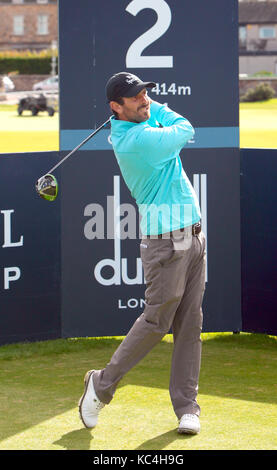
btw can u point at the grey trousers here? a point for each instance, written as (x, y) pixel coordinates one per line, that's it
(174, 270)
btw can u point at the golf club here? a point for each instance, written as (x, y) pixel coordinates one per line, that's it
(47, 185)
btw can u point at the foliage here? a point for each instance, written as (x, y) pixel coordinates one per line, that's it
(27, 54)
(26, 62)
(263, 73)
(261, 92)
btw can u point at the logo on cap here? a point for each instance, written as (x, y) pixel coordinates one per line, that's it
(131, 79)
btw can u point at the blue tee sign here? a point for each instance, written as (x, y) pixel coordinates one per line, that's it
(189, 49)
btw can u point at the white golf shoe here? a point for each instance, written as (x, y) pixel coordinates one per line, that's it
(189, 424)
(89, 403)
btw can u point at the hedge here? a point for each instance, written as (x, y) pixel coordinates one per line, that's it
(26, 66)
(26, 62)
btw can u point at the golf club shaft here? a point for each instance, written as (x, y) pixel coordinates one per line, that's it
(78, 146)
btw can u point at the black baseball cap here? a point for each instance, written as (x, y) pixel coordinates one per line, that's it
(125, 84)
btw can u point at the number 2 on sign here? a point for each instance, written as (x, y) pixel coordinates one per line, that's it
(134, 58)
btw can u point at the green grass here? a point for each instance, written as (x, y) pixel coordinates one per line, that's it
(41, 383)
(29, 141)
(27, 133)
(258, 124)
(258, 128)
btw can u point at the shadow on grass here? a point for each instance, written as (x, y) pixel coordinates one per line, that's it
(242, 367)
(79, 439)
(163, 440)
(44, 114)
(233, 366)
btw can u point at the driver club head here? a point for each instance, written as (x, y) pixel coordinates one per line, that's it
(47, 187)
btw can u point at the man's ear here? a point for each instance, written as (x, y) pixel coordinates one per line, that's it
(115, 106)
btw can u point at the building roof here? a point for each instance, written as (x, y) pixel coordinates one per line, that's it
(257, 12)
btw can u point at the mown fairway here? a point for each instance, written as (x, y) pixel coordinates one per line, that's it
(258, 124)
(27, 133)
(41, 383)
(258, 128)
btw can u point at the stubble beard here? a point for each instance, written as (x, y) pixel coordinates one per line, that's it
(145, 114)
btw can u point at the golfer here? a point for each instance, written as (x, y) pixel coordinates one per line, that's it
(147, 138)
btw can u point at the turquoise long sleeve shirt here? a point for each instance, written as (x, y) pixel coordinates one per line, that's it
(148, 157)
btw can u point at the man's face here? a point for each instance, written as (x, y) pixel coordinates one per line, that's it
(134, 109)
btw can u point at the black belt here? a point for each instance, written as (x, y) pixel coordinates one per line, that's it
(195, 230)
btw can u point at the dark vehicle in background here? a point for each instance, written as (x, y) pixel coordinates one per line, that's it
(35, 105)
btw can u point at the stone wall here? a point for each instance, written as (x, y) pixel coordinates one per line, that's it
(25, 82)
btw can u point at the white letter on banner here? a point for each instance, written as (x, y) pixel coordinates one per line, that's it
(8, 229)
(8, 277)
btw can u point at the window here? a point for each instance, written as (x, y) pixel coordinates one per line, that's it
(267, 32)
(242, 33)
(42, 1)
(18, 25)
(17, 1)
(242, 37)
(42, 24)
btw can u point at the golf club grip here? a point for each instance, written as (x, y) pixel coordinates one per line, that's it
(78, 146)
